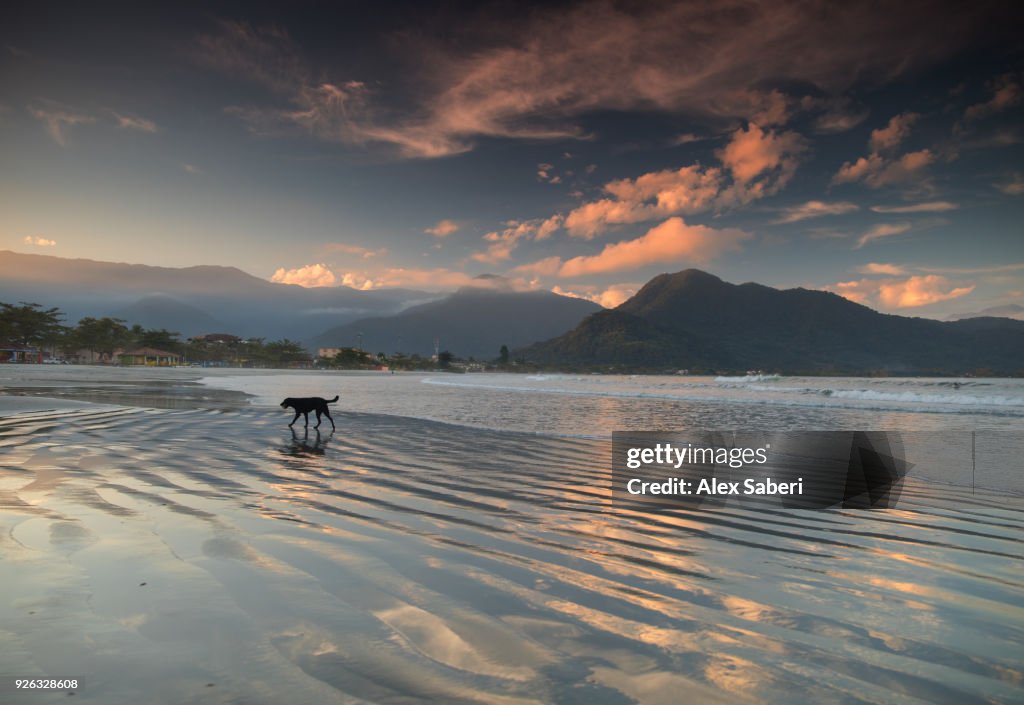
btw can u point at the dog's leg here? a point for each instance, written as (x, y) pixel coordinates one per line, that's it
(317, 419)
(295, 419)
(327, 412)
(306, 414)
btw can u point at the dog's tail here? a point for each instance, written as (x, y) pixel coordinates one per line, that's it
(331, 401)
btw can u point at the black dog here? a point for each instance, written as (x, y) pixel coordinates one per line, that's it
(304, 405)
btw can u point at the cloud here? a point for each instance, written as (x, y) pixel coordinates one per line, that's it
(919, 291)
(911, 292)
(561, 63)
(609, 297)
(356, 250)
(546, 173)
(1013, 187)
(39, 241)
(879, 168)
(815, 209)
(439, 279)
(892, 134)
(134, 122)
(57, 121)
(444, 228)
(752, 152)
(1006, 92)
(880, 231)
(760, 162)
(192, 169)
(881, 268)
(839, 114)
(929, 207)
(548, 266)
(503, 242)
(876, 170)
(309, 276)
(671, 241)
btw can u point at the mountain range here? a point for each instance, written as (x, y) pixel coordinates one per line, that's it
(191, 300)
(475, 321)
(694, 320)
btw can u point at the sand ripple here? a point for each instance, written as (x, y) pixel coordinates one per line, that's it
(200, 556)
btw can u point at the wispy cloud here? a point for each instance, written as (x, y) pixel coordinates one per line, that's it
(692, 58)
(1013, 187)
(883, 230)
(929, 207)
(1006, 93)
(192, 169)
(134, 122)
(363, 252)
(815, 209)
(444, 228)
(58, 120)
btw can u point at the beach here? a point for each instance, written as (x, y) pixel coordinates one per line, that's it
(167, 539)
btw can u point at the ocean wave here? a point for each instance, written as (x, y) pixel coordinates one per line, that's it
(725, 379)
(919, 398)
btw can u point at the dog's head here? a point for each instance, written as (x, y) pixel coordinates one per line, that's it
(286, 403)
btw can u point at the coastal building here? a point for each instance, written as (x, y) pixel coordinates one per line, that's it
(18, 353)
(151, 357)
(328, 352)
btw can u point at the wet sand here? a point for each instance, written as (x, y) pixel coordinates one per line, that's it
(211, 556)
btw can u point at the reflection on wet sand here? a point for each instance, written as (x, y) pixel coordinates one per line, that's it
(201, 556)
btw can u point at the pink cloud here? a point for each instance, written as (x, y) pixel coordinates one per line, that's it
(880, 231)
(356, 250)
(929, 207)
(57, 121)
(1006, 92)
(559, 63)
(609, 297)
(877, 171)
(912, 292)
(672, 241)
(311, 275)
(761, 163)
(134, 122)
(815, 209)
(754, 151)
(892, 134)
(39, 241)
(882, 268)
(444, 228)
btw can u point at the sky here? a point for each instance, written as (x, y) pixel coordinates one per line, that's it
(872, 149)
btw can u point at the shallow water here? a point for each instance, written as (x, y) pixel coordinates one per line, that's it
(210, 555)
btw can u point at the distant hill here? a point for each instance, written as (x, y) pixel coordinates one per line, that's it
(695, 320)
(171, 314)
(475, 322)
(236, 302)
(1015, 311)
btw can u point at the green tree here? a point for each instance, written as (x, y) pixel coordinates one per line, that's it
(161, 339)
(283, 351)
(444, 359)
(101, 335)
(30, 324)
(503, 355)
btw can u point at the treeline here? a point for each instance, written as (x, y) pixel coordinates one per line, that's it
(30, 325)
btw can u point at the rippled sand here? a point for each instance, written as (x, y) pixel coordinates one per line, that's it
(189, 556)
